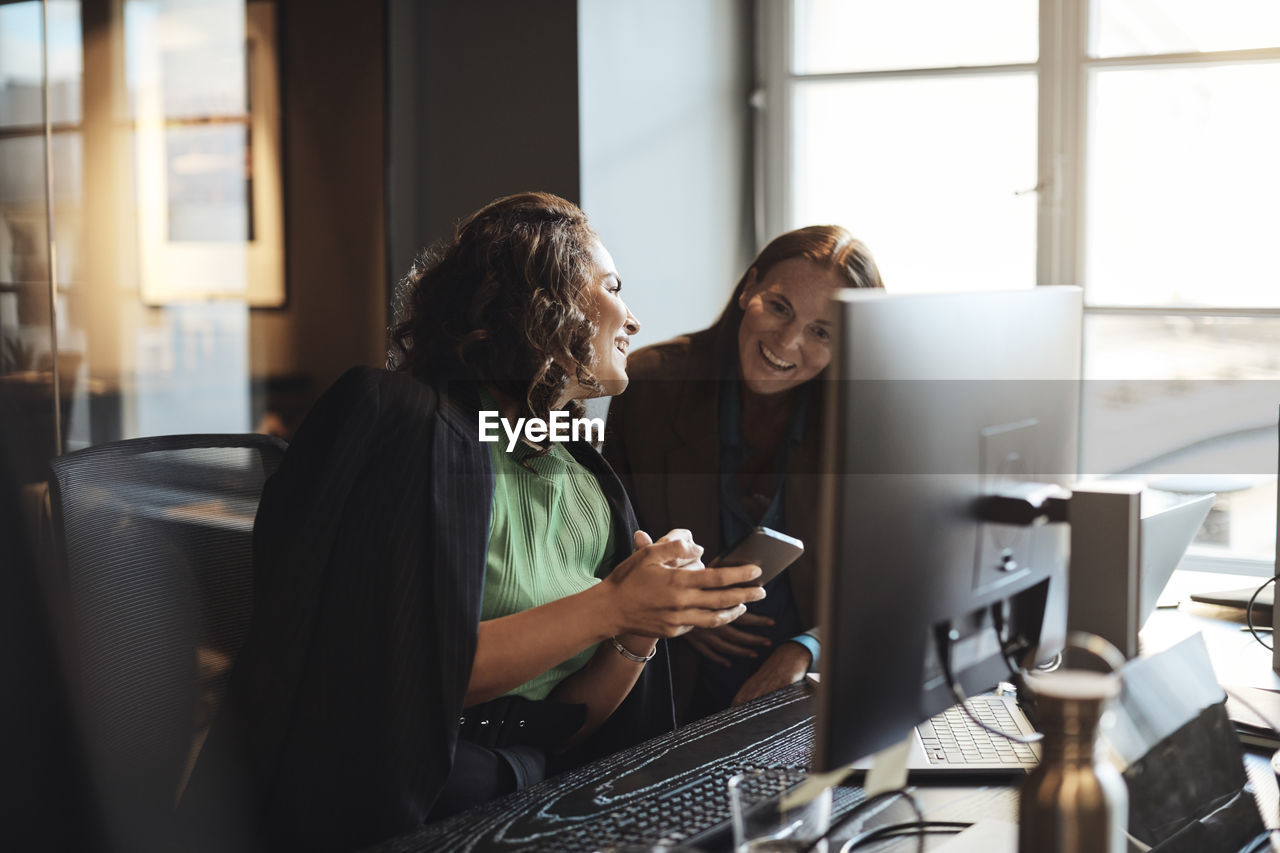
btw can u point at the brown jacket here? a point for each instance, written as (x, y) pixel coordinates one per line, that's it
(663, 440)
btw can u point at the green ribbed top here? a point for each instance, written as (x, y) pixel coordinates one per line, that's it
(550, 531)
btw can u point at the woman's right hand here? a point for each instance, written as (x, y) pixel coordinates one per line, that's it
(663, 590)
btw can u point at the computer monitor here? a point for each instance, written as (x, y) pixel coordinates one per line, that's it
(937, 401)
(1275, 601)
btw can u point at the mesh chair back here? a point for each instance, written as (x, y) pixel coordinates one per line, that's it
(155, 538)
(46, 800)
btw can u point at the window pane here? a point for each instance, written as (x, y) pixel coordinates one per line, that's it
(26, 360)
(66, 61)
(1140, 27)
(1183, 183)
(208, 189)
(1176, 347)
(192, 371)
(20, 64)
(836, 35)
(21, 95)
(22, 189)
(186, 60)
(925, 170)
(27, 357)
(1189, 405)
(67, 149)
(24, 247)
(154, 267)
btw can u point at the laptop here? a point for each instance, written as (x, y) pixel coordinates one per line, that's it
(1170, 522)
(1263, 601)
(951, 744)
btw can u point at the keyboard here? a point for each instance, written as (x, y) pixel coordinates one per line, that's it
(951, 738)
(670, 790)
(701, 812)
(952, 744)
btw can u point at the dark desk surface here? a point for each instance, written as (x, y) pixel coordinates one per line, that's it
(589, 808)
(593, 807)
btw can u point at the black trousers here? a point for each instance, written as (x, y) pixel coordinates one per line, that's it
(481, 774)
(503, 746)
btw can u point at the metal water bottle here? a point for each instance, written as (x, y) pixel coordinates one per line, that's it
(1075, 801)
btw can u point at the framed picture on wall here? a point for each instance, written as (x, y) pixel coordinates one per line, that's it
(204, 86)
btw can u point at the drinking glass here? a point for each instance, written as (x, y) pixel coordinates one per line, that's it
(766, 822)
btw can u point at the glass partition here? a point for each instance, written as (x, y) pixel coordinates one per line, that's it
(141, 219)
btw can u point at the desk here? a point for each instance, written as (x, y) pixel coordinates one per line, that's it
(1238, 660)
(593, 807)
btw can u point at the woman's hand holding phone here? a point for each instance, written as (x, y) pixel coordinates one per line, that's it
(770, 550)
(773, 551)
(663, 589)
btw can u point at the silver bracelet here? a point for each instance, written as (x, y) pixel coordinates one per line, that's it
(632, 656)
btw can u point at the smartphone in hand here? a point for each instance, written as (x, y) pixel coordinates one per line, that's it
(770, 550)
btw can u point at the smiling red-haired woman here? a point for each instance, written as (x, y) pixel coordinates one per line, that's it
(737, 447)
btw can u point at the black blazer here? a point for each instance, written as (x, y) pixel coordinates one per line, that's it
(341, 717)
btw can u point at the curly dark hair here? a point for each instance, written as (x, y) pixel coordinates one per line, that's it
(505, 301)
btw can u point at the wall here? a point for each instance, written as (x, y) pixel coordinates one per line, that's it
(484, 103)
(636, 110)
(666, 150)
(335, 227)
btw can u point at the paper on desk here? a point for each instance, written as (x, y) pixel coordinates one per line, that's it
(1161, 693)
(985, 836)
(1240, 659)
(1180, 756)
(1236, 656)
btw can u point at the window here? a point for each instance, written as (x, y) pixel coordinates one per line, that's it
(41, 175)
(1123, 145)
(141, 215)
(896, 135)
(202, 95)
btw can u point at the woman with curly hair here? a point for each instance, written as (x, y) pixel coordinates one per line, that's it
(437, 619)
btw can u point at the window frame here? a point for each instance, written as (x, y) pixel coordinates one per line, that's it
(1062, 73)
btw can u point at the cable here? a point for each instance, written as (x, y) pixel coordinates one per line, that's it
(1021, 647)
(898, 830)
(943, 636)
(963, 702)
(1261, 842)
(905, 793)
(997, 621)
(1248, 611)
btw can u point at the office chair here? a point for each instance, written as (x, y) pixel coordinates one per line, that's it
(46, 799)
(155, 579)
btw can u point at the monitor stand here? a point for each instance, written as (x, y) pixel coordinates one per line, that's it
(1104, 580)
(1123, 554)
